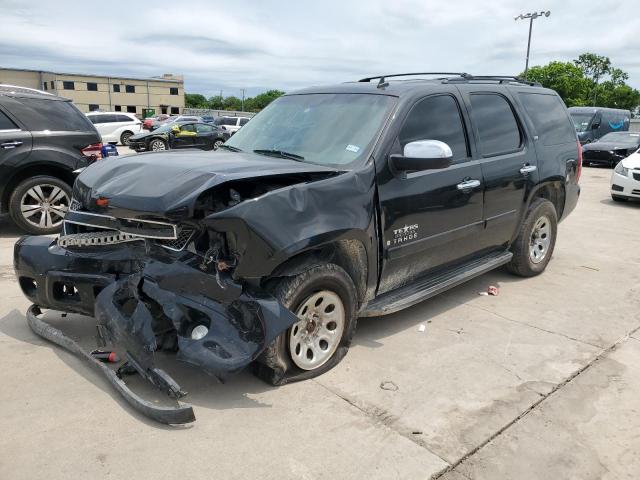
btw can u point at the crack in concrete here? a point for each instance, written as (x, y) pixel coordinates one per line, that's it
(603, 353)
(382, 417)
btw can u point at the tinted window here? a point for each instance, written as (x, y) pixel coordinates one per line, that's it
(173, 91)
(130, 88)
(116, 88)
(98, 119)
(243, 121)
(436, 118)
(496, 124)
(68, 85)
(92, 87)
(123, 118)
(201, 128)
(549, 117)
(6, 123)
(54, 115)
(228, 121)
(188, 128)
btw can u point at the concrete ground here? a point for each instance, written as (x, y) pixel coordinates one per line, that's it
(542, 381)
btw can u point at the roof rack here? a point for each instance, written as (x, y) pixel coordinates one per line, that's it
(455, 77)
(497, 78)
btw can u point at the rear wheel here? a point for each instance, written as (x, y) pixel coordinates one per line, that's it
(325, 300)
(124, 138)
(157, 145)
(39, 204)
(534, 246)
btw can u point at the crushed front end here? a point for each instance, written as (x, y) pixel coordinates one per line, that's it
(152, 284)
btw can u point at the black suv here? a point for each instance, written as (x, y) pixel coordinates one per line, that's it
(43, 140)
(333, 203)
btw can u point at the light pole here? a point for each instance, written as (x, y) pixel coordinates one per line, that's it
(531, 17)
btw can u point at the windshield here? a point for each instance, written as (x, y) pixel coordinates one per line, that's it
(326, 129)
(623, 138)
(581, 120)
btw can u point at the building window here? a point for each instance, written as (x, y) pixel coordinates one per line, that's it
(92, 87)
(175, 110)
(45, 85)
(130, 88)
(131, 109)
(118, 108)
(93, 107)
(52, 85)
(173, 90)
(116, 88)
(68, 85)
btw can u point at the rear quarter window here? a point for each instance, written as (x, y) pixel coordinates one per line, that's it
(552, 124)
(56, 115)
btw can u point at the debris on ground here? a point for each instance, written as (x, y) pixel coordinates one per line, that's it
(389, 385)
(422, 328)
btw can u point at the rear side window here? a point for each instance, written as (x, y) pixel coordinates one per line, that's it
(6, 123)
(436, 118)
(553, 126)
(243, 121)
(57, 115)
(496, 124)
(123, 118)
(201, 128)
(97, 119)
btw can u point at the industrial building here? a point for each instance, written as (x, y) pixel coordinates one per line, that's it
(142, 96)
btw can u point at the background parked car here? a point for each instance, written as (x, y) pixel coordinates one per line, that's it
(232, 124)
(611, 148)
(174, 119)
(115, 127)
(43, 140)
(146, 124)
(625, 179)
(180, 135)
(593, 123)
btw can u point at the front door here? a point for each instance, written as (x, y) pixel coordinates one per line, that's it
(432, 217)
(15, 145)
(186, 137)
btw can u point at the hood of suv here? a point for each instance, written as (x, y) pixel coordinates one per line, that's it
(158, 183)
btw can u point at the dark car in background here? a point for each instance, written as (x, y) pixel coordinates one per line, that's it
(173, 119)
(592, 123)
(611, 148)
(44, 140)
(180, 135)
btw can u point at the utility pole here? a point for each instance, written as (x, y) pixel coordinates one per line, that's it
(531, 17)
(243, 99)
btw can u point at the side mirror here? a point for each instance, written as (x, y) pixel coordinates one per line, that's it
(595, 126)
(423, 155)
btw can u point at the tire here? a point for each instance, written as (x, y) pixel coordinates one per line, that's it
(321, 288)
(217, 143)
(157, 145)
(618, 198)
(533, 248)
(124, 138)
(38, 204)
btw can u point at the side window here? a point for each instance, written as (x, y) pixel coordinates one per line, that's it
(496, 124)
(436, 118)
(123, 118)
(6, 123)
(552, 123)
(201, 128)
(243, 121)
(188, 128)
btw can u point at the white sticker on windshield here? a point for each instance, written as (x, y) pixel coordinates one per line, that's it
(353, 148)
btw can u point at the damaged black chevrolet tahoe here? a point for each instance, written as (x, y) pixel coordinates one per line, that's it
(333, 203)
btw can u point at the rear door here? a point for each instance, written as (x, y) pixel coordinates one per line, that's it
(507, 157)
(204, 136)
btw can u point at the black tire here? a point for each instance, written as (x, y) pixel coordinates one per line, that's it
(276, 365)
(46, 185)
(158, 142)
(124, 138)
(217, 143)
(523, 263)
(618, 198)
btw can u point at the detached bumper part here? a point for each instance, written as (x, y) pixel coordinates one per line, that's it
(180, 414)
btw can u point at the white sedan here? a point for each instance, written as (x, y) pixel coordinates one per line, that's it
(625, 179)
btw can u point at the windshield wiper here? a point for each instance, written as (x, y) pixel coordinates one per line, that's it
(280, 154)
(229, 147)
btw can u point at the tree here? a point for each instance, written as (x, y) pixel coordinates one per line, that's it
(565, 78)
(195, 100)
(232, 103)
(216, 102)
(594, 67)
(264, 99)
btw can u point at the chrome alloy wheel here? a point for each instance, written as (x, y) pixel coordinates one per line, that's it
(315, 338)
(158, 146)
(44, 206)
(540, 240)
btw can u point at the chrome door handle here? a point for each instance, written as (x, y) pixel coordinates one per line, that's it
(468, 185)
(528, 169)
(13, 144)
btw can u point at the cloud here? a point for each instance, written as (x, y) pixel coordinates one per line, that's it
(288, 45)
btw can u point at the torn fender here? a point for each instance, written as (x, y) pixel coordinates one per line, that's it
(159, 307)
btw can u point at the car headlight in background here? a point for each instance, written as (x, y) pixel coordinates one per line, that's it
(621, 170)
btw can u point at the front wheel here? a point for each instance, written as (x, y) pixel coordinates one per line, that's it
(534, 246)
(325, 300)
(157, 145)
(217, 143)
(125, 138)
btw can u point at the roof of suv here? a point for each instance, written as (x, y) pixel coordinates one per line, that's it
(24, 92)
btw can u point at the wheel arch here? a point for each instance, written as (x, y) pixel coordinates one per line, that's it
(34, 170)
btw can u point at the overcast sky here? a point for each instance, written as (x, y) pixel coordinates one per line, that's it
(288, 44)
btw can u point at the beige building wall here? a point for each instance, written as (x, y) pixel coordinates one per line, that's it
(164, 95)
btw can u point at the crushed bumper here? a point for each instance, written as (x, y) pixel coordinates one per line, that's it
(148, 301)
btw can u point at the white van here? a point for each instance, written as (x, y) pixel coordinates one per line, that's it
(115, 127)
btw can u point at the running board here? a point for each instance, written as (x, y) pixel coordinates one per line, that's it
(428, 287)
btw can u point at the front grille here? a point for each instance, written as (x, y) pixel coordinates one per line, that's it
(95, 239)
(184, 234)
(596, 155)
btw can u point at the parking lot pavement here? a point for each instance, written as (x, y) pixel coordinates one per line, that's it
(541, 381)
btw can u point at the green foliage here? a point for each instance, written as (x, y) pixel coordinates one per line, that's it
(251, 104)
(590, 80)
